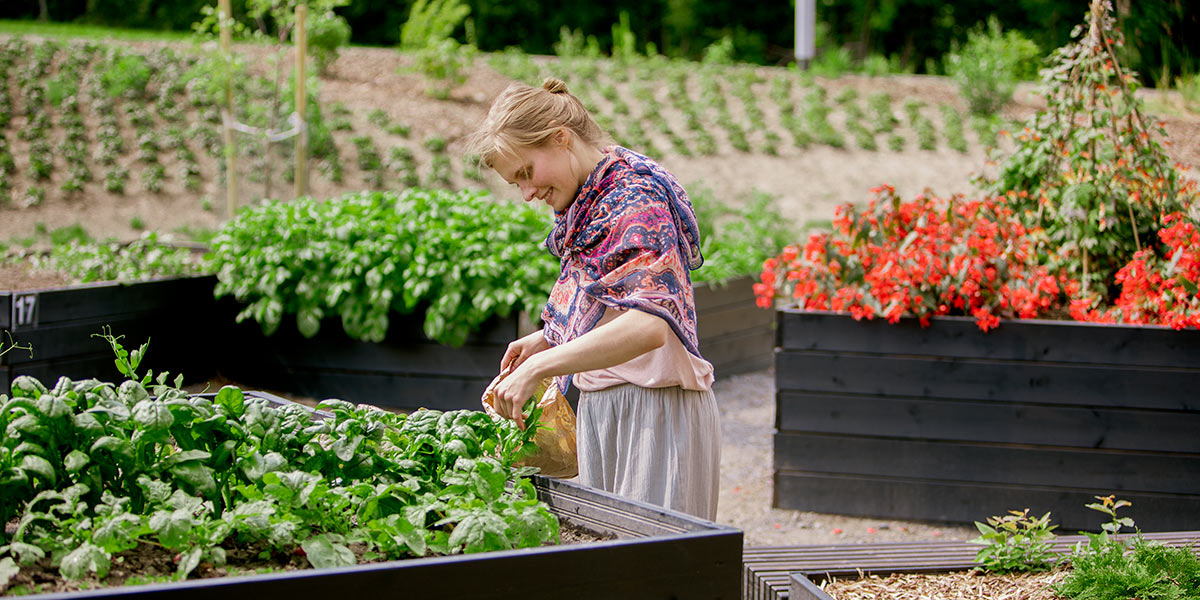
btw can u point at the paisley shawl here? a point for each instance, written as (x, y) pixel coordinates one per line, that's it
(629, 241)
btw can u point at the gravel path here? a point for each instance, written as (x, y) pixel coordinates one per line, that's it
(747, 421)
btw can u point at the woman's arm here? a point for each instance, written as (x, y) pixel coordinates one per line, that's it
(626, 337)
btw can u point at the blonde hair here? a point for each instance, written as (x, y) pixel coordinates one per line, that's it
(523, 116)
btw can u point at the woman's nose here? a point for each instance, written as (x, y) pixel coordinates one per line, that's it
(527, 191)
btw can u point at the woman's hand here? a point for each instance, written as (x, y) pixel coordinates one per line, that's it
(520, 350)
(509, 395)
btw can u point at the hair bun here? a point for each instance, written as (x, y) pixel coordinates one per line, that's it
(554, 85)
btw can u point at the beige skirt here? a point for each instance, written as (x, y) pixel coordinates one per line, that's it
(657, 445)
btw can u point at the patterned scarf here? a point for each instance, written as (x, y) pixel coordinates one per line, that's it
(628, 240)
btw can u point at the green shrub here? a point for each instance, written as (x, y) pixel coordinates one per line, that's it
(426, 34)
(736, 241)
(327, 33)
(988, 67)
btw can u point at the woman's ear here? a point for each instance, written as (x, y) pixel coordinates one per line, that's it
(563, 137)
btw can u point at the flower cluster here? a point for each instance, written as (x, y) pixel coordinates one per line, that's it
(924, 257)
(1155, 289)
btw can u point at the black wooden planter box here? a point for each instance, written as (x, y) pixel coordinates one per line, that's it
(947, 423)
(405, 371)
(736, 336)
(174, 314)
(192, 333)
(409, 371)
(658, 554)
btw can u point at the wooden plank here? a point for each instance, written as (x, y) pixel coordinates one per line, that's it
(889, 498)
(342, 353)
(100, 366)
(384, 390)
(1013, 381)
(1100, 470)
(1062, 341)
(739, 290)
(68, 340)
(106, 300)
(736, 353)
(1000, 422)
(734, 319)
(5, 311)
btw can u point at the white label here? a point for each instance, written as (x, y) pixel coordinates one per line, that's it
(24, 311)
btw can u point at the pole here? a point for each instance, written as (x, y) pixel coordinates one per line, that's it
(806, 17)
(301, 42)
(225, 14)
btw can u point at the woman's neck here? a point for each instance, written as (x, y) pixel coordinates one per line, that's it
(588, 157)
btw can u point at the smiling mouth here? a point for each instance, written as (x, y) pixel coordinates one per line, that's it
(545, 197)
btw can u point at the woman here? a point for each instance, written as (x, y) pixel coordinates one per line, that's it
(621, 322)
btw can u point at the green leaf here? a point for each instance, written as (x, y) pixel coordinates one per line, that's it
(198, 476)
(8, 570)
(87, 558)
(173, 527)
(323, 553)
(481, 531)
(189, 560)
(232, 399)
(33, 463)
(76, 460)
(153, 415)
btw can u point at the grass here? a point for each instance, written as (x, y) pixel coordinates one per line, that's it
(96, 32)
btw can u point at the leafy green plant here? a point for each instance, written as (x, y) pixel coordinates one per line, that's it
(124, 73)
(327, 32)
(92, 469)
(1108, 568)
(144, 258)
(736, 240)
(720, 52)
(1016, 542)
(988, 67)
(435, 144)
(361, 256)
(427, 35)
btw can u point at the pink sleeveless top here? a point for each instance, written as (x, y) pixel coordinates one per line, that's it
(670, 365)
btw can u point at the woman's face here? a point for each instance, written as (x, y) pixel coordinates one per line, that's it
(544, 173)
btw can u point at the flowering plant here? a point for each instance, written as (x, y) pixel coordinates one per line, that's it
(924, 257)
(1096, 176)
(1155, 288)
(1088, 213)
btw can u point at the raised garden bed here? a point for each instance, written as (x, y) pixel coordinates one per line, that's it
(405, 371)
(796, 572)
(645, 552)
(735, 335)
(949, 424)
(192, 333)
(408, 370)
(173, 313)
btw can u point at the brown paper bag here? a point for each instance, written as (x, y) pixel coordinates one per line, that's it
(555, 456)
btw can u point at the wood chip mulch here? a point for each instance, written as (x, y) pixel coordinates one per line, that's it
(968, 585)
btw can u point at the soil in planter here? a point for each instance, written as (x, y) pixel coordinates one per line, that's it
(18, 277)
(951, 586)
(150, 563)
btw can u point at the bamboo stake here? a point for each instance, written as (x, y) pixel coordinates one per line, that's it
(225, 14)
(301, 42)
